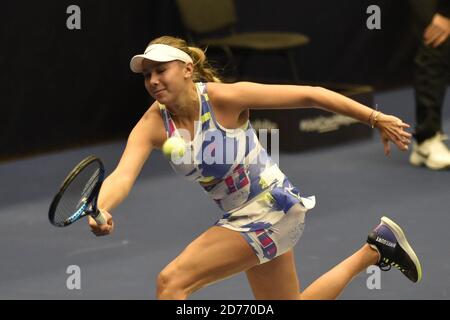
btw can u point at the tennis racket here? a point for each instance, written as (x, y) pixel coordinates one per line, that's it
(77, 196)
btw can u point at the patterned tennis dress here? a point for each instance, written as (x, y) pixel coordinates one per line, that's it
(232, 167)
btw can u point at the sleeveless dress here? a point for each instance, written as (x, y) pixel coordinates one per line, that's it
(238, 174)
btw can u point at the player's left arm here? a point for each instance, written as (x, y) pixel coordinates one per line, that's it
(248, 95)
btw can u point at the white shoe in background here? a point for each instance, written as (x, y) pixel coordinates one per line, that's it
(432, 153)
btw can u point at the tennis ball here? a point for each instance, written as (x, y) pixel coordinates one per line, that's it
(174, 146)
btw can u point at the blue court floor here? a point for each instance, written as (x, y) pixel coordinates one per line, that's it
(355, 184)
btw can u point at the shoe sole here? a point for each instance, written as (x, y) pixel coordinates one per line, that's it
(400, 235)
(419, 161)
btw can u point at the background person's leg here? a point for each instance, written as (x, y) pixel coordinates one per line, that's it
(430, 83)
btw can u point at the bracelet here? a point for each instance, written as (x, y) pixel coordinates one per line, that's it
(373, 118)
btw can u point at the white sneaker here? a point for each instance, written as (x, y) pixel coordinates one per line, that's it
(432, 153)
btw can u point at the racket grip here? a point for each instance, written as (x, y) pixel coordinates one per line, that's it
(99, 217)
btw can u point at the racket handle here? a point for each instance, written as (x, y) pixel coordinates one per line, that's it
(99, 217)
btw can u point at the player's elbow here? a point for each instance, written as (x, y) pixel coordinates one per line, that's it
(315, 96)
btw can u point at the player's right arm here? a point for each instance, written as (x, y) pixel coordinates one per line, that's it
(148, 134)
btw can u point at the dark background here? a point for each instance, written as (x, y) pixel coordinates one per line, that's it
(60, 88)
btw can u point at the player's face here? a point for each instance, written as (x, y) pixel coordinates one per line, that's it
(165, 81)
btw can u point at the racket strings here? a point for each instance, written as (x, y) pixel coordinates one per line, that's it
(79, 189)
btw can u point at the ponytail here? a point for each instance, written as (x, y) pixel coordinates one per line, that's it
(202, 69)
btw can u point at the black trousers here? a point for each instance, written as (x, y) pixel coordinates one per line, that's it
(431, 76)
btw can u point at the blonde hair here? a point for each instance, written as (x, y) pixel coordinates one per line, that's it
(202, 69)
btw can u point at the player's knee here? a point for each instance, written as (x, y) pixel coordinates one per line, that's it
(169, 286)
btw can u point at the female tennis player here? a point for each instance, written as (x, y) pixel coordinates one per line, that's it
(263, 213)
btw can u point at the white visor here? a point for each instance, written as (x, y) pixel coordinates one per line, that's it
(159, 53)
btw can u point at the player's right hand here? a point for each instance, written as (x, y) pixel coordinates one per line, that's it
(104, 229)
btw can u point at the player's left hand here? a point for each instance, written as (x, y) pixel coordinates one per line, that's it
(392, 129)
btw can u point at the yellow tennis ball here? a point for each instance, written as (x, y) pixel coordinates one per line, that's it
(174, 146)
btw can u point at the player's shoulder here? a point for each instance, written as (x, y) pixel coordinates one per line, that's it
(152, 126)
(153, 115)
(223, 95)
(219, 89)
(154, 110)
(230, 93)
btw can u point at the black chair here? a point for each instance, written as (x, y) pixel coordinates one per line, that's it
(211, 23)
